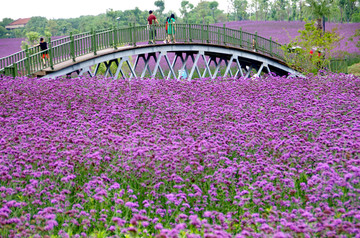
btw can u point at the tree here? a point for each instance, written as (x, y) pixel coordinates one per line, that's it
(6, 21)
(3, 32)
(255, 6)
(281, 6)
(350, 9)
(160, 4)
(185, 7)
(203, 10)
(238, 8)
(52, 27)
(36, 24)
(213, 6)
(112, 15)
(319, 9)
(301, 6)
(341, 4)
(264, 8)
(32, 38)
(312, 50)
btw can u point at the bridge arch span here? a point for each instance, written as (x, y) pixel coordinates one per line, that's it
(180, 60)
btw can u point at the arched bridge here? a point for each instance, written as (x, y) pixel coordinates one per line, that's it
(200, 51)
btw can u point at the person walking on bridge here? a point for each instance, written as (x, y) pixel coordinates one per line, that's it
(43, 47)
(171, 28)
(167, 40)
(151, 20)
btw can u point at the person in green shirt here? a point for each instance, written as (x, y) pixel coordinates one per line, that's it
(171, 28)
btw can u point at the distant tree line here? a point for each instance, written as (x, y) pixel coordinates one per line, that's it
(205, 12)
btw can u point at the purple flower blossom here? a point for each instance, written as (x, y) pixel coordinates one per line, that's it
(158, 226)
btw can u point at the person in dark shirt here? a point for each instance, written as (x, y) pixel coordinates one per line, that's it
(151, 20)
(43, 47)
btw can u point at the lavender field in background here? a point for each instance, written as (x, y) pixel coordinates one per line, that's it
(281, 30)
(274, 157)
(9, 46)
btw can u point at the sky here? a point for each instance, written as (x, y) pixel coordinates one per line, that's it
(16, 9)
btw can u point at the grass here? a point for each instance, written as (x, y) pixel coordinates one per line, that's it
(354, 69)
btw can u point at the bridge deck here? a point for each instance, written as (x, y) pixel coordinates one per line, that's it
(79, 59)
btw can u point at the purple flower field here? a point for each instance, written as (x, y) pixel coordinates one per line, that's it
(92, 157)
(10, 46)
(280, 31)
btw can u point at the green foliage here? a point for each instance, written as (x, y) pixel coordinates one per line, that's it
(354, 69)
(213, 6)
(355, 17)
(3, 32)
(5, 22)
(238, 9)
(319, 8)
(52, 27)
(185, 7)
(37, 24)
(356, 37)
(111, 14)
(160, 4)
(322, 44)
(203, 13)
(32, 39)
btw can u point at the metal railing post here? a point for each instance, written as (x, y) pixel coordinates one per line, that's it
(241, 37)
(271, 53)
(134, 32)
(115, 38)
(93, 41)
(72, 47)
(108, 39)
(224, 34)
(27, 60)
(207, 33)
(14, 73)
(202, 33)
(189, 26)
(131, 33)
(149, 32)
(51, 54)
(256, 41)
(218, 36)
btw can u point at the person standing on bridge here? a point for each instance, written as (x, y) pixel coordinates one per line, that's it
(151, 20)
(171, 28)
(43, 47)
(167, 40)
